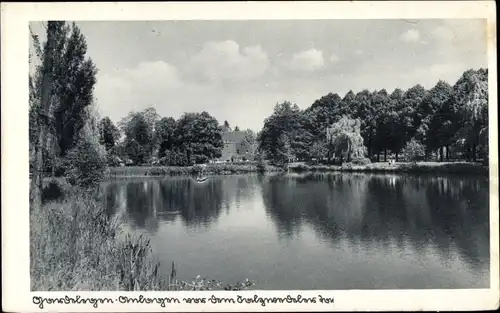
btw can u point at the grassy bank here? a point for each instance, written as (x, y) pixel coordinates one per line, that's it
(211, 169)
(230, 169)
(75, 246)
(385, 167)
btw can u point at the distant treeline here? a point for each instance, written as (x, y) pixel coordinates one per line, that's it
(441, 123)
(451, 117)
(146, 138)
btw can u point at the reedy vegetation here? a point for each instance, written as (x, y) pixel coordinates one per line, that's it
(75, 246)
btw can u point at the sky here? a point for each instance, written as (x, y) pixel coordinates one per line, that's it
(238, 70)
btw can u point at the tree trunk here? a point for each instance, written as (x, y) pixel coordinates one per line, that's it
(43, 117)
(396, 156)
(474, 153)
(441, 154)
(378, 157)
(447, 153)
(385, 155)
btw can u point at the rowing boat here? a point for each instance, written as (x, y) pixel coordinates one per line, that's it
(201, 179)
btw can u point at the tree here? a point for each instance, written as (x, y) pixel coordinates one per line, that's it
(226, 126)
(414, 150)
(43, 119)
(236, 129)
(322, 113)
(344, 139)
(302, 139)
(402, 116)
(433, 102)
(444, 125)
(412, 100)
(138, 137)
(285, 122)
(365, 112)
(139, 129)
(74, 80)
(152, 118)
(198, 135)
(397, 121)
(471, 92)
(348, 105)
(108, 133)
(164, 134)
(284, 152)
(319, 150)
(135, 151)
(86, 161)
(250, 144)
(484, 145)
(381, 105)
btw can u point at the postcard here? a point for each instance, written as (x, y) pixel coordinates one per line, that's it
(249, 156)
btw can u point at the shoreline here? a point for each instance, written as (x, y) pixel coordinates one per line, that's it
(467, 168)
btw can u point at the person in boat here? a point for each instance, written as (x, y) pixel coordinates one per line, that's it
(201, 177)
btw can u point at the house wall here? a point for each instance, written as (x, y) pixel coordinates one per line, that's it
(232, 145)
(228, 151)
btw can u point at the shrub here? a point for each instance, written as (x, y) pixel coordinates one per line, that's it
(414, 151)
(136, 152)
(322, 168)
(347, 165)
(196, 169)
(86, 164)
(55, 189)
(173, 158)
(361, 161)
(113, 160)
(261, 163)
(59, 167)
(200, 158)
(300, 168)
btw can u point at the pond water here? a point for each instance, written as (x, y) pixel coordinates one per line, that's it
(316, 231)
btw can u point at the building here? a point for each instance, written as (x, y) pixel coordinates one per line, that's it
(233, 150)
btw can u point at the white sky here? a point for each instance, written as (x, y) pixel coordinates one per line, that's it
(238, 70)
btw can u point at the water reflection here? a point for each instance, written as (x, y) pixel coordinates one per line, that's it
(198, 205)
(428, 227)
(449, 213)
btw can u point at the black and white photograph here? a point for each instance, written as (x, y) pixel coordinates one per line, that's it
(246, 156)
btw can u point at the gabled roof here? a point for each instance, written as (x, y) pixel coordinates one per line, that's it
(233, 136)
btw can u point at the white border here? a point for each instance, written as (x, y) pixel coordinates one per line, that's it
(15, 213)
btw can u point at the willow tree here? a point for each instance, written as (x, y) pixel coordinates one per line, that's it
(344, 139)
(471, 94)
